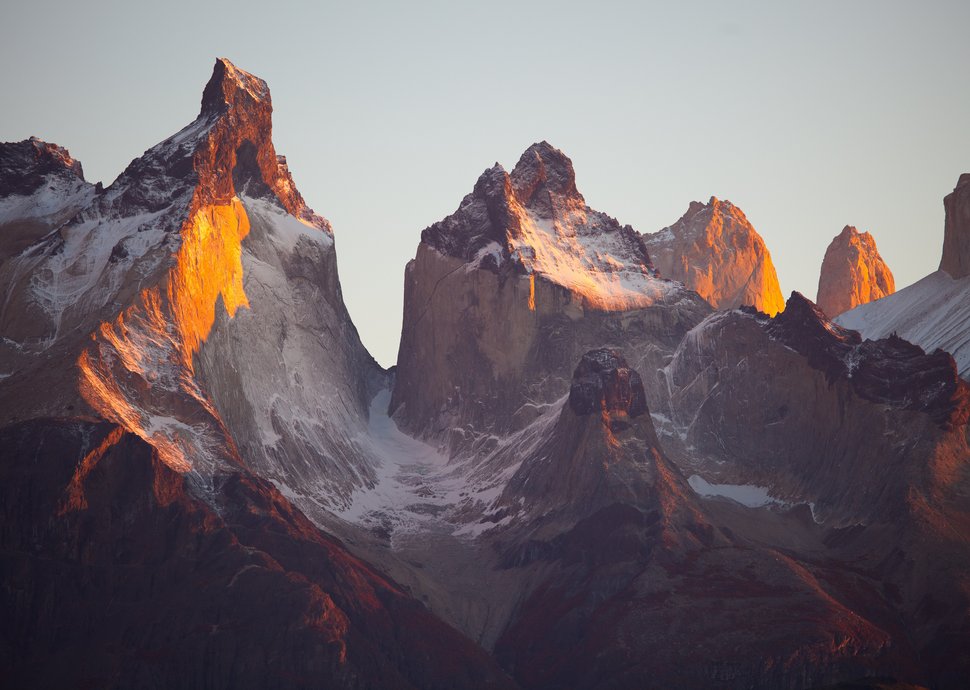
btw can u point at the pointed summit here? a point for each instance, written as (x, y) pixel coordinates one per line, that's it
(853, 273)
(544, 171)
(536, 221)
(225, 152)
(714, 250)
(230, 86)
(521, 270)
(602, 453)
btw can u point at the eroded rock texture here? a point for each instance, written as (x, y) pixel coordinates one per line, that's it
(714, 250)
(853, 273)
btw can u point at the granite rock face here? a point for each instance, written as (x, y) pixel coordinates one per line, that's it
(605, 483)
(26, 165)
(818, 395)
(956, 233)
(176, 301)
(612, 544)
(934, 312)
(180, 387)
(714, 250)
(853, 273)
(506, 294)
(41, 187)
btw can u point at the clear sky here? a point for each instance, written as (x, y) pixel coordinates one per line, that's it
(807, 115)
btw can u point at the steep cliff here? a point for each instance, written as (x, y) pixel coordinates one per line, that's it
(173, 346)
(853, 273)
(956, 233)
(714, 250)
(508, 292)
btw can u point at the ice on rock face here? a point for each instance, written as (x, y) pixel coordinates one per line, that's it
(416, 488)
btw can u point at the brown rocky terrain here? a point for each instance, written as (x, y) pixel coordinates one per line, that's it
(853, 273)
(715, 250)
(117, 574)
(635, 581)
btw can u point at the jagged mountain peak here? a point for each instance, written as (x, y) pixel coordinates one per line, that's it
(852, 273)
(536, 223)
(714, 205)
(890, 371)
(231, 87)
(714, 249)
(544, 171)
(850, 231)
(699, 214)
(136, 282)
(802, 325)
(25, 164)
(602, 451)
(225, 152)
(41, 187)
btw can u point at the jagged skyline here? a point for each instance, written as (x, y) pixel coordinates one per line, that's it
(808, 119)
(579, 475)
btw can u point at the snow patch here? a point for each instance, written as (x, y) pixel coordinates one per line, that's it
(746, 494)
(582, 254)
(57, 193)
(287, 230)
(932, 313)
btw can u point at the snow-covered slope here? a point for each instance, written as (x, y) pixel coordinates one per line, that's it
(933, 313)
(288, 374)
(40, 183)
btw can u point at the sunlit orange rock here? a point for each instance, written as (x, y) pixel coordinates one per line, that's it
(714, 250)
(853, 273)
(139, 370)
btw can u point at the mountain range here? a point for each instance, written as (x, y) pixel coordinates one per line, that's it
(604, 459)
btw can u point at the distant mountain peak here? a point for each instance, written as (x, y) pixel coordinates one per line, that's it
(956, 234)
(715, 250)
(231, 87)
(544, 170)
(535, 222)
(25, 164)
(852, 273)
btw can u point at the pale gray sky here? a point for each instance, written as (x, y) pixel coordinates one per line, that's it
(809, 116)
